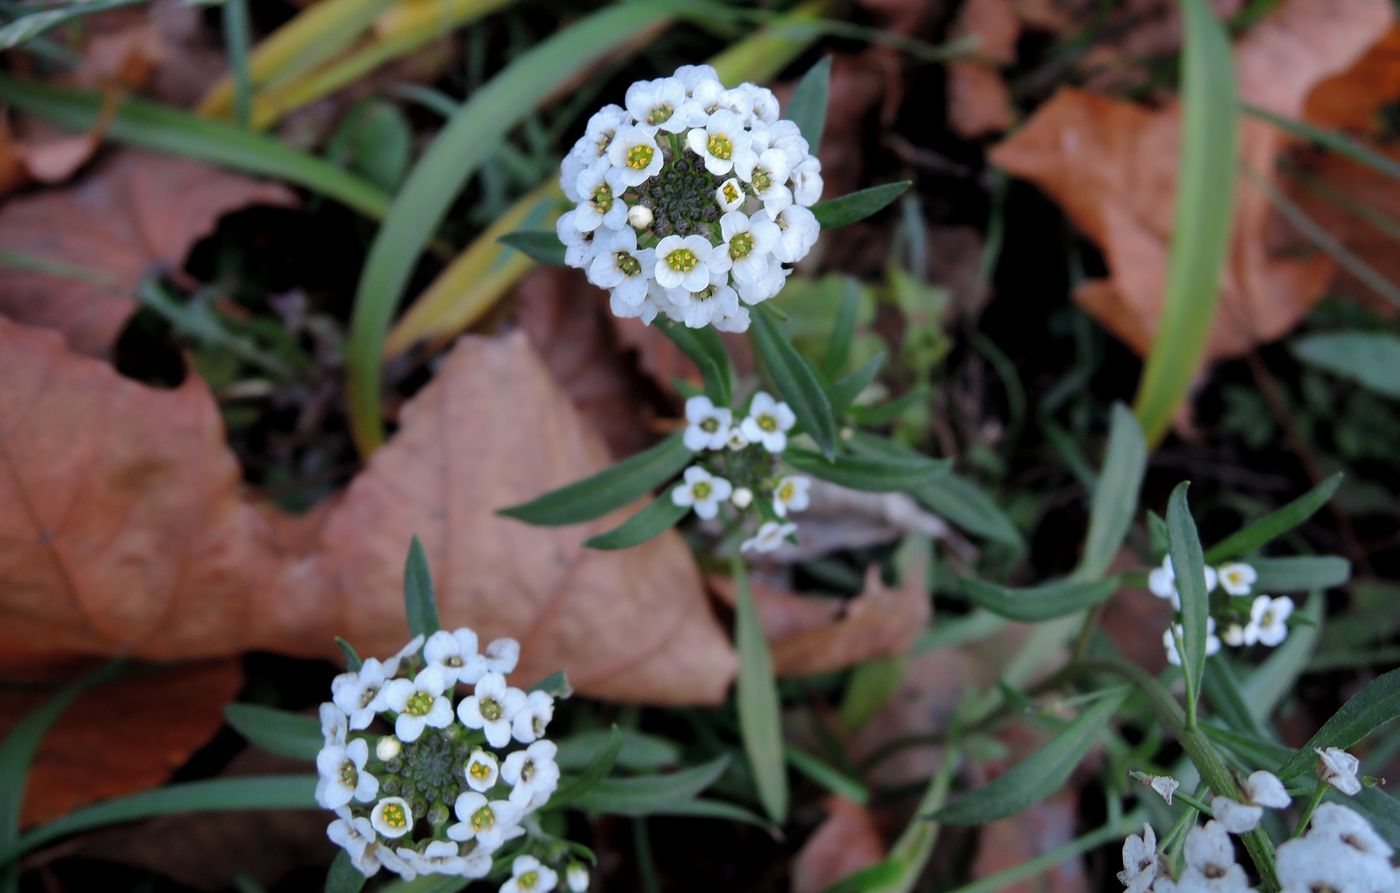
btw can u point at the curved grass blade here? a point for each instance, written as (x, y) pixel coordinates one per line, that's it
(572, 789)
(154, 126)
(1328, 139)
(795, 379)
(846, 389)
(217, 795)
(1189, 566)
(760, 712)
(858, 205)
(873, 474)
(870, 878)
(650, 794)
(537, 244)
(1036, 603)
(1204, 214)
(1115, 494)
(35, 24)
(1276, 523)
(807, 107)
(1375, 705)
(420, 605)
(609, 489)
(1038, 776)
(707, 352)
(276, 731)
(467, 140)
(661, 515)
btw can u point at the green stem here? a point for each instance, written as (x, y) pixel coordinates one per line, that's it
(1318, 794)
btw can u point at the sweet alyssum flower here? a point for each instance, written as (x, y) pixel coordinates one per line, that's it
(1237, 578)
(1338, 768)
(527, 875)
(768, 422)
(1139, 861)
(769, 537)
(1176, 630)
(1261, 789)
(691, 201)
(447, 783)
(707, 425)
(1161, 582)
(1268, 621)
(702, 491)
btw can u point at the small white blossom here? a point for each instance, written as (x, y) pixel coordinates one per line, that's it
(791, 495)
(454, 655)
(501, 656)
(492, 707)
(742, 498)
(768, 422)
(602, 206)
(1337, 822)
(1317, 863)
(767, 172)
(356, 836)
(577, 877)
(620, 266)
(1210, 856)
(361, 694)
(1161, 582)
(711, 305)
(334, 724)
(578, 244)
(797, 233)
(419, 703)
(1139, 861)
(748, 244)
(718, 141)
(1264, 788)
(488, 822)
(1237, 578)
(639, 217)
(737, 440)
(1234, 816)
(1169, 641)
(533, 774)
(444, 857)
(529, 876)
(635, 157)
(657, 104)
(392, 817)
(1268, 621)
(1165, 786)
(342, 775)
(1234, 635)
(707, 425)
(807, 181)
(1338, 768)
(533, 719)
(683, 262)
(769, 538)
(702, 491)
(388, 747)
(482, 770)
(729, 195)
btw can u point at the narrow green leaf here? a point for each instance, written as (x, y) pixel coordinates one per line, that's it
(707, 352)
(469, 138)
(609, 489)
(1300, 573)
(375, 141)
(276, 731)
(571, 789)
(870, 878)
(343, 876)
(857, 206)
(216, 795)
(701, 808)
(1275, 678)
(34, 24)
(18, 749)
(1036, 603)
(871, 473)
(556, 685)
(541, 245)
(420, 605)
(650, 794)
(871, 688)
(796, 381)
(1375, 705)
(1275, 524)
(1035, 778)
(962, 502)
(843, 330)
(1381, 809)
(807, 107)
(1189, 566)
(1371, 359)
(352, 657)
(1203, 217)
(826, 776)
(1115, 495)
(760, 713)
(639, 750)
(1252, 750)
(660, 515)
(846, 389)
(163, 129)
(1328, 139)
(237, 41)
(1222, 690)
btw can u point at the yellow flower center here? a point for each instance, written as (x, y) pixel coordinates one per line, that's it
(660, 115)
(602, 198)
(720, 146)
(491, 709)
(741, 246)
(767, 423)
(528, 880)
(701, 490)
(710, 425)
(420, 703)
(638, 157)
(786, 491)
(483, 819)
(349, 775)
(627, 264)
(682, 260)
(394, 816)
(762, 179)
(731, 193)
(370, 693)
(480, 771)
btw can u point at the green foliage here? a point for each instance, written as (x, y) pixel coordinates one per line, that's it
(537, 244)
(420, 605)
(1037, 603)
(807, 108)
(660, 515)
(1371, 359)
(1189, 566)
(795, 379)
(760, 714)
(609, 489)
(859, 205)
(276, 731)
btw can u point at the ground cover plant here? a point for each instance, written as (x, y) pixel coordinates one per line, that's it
(656, 445)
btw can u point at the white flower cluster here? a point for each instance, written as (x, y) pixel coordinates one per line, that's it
(691, 201)
(1340, 852)
(1267, 622)
(743, 451)
(482, 760)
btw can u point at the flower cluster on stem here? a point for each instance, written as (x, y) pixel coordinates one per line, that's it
(1248, 619)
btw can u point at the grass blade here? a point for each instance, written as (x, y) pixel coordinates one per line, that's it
(1371, 359)
(1115, 495)
(760, 713)
(1301, 573)
(1204, 213)
(236, 42)
(1037, 603)
(467, 140)
(163, 129)
(650, 794)
(795, 379)
(609, 489)
(1328, 139)
(871, 473)
(27, 27)
(1275, 524)
(1189, 565)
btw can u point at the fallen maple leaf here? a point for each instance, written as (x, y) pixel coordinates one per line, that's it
(813, 634)
(846, 841)
(123, 529)
(1112, 166)
(124, 736)
(136, 215)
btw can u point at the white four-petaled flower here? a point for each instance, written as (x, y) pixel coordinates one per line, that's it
(1237, 578)
(1268, 621)
(533, 774)
(707, 425)
(1170, 636)
(488, 822)
(702, 491)
(530, 723)
(1338, 768)
(768, 422)
(528, 875)
(1139, 861)
(419, 703)
(769, 538)
(492, 708)
(342, 775)
(791, 495)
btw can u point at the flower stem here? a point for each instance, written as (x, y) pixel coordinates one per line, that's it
(1313, 803)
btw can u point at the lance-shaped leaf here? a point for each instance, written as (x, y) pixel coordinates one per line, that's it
(1300, 573)
(571, 789)
(1037, 603)
(871, 473)
(1275, 524)
(797, 382)
(536, 244)
(1189, 566)
(858, 205)
(276, 731)
(660, 514)
(420, 605)
(760, 711)
(647, 794)
(807, 108)
(1115, 494)
(1375, 705)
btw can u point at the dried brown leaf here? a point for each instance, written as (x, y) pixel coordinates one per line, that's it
(846, 841)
